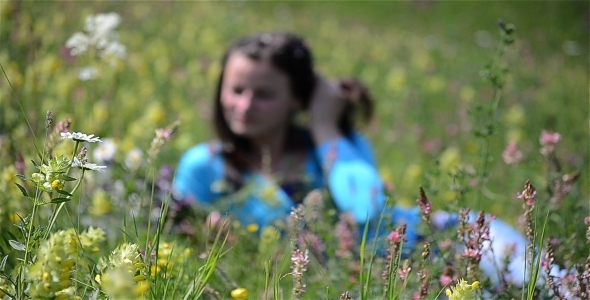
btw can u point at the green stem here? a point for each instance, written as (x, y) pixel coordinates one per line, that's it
(486, 141)
(61, 205)
(21, 282)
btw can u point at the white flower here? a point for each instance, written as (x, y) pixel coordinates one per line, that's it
(134, 159)
(105, 151)
(99, 33)
(102, 24)
(87, 166)
(78, 43)
(80, 137)
(115, 49)
(87, 73)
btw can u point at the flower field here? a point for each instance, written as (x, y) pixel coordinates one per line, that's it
(480, 107)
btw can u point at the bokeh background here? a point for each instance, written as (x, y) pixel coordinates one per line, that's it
(421, 60)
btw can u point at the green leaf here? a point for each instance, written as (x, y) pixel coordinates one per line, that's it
(60, 200)
(67, 178)
(35, 164)
(16, 245)
(22, 190)
(3, 263)
(64, 193)
(21, 176)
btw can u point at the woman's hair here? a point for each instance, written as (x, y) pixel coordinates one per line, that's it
(289, 53)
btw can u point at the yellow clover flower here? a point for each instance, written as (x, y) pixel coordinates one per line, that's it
(240, 294)
(462, 291)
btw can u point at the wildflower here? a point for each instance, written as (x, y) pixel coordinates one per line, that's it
(346, 230)
(133, 159)
(163, 135)
(449, 159)
(252, 228)
(314, 206)
(119, 283)
(122, 274)
(462, 291)
(425, 206)
(87, 73)
(101, 203)
(91, 238)
(105, 152)
(48, 119)
(80, 137)
(299, 260)
(404, 271)
(99, 33)
(56, 258)
(239, 294)
(549, 141)
(511, 154)
(84, 165)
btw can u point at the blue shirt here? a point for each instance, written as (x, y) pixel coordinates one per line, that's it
(346, 166)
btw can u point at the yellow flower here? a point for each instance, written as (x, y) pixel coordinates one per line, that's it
(449, 159)
(57, 184)
(239, 294)
(252, 227)
(462, 291)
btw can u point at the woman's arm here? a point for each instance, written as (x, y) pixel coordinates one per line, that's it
(352, 177)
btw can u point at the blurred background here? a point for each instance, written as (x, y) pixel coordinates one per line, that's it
(421, 60)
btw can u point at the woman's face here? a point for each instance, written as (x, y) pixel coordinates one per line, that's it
(256, 97)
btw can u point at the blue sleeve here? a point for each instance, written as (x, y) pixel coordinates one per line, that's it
(200, 176)
(198, 171)
(352, 178)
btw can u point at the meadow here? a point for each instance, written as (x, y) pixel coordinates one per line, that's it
(480, 106)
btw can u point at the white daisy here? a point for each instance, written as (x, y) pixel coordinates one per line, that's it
(105, 152)
(134, 159)
(87, 73)
(87, 166)
(80, 137)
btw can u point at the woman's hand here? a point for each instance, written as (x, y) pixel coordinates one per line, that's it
(326, 108)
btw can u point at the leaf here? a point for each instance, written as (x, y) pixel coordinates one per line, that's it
(3, 263)
(67, 178)
(35, 164)
(64, 193)
(16, 245)
(22, 189)
(21, 176)
(60, 200)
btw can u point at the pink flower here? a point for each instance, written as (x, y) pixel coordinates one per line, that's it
(446, 280)
(472, 253)
(548, 141)
(403, 272)
(511, 154)
(549, 138)
(395, 237)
